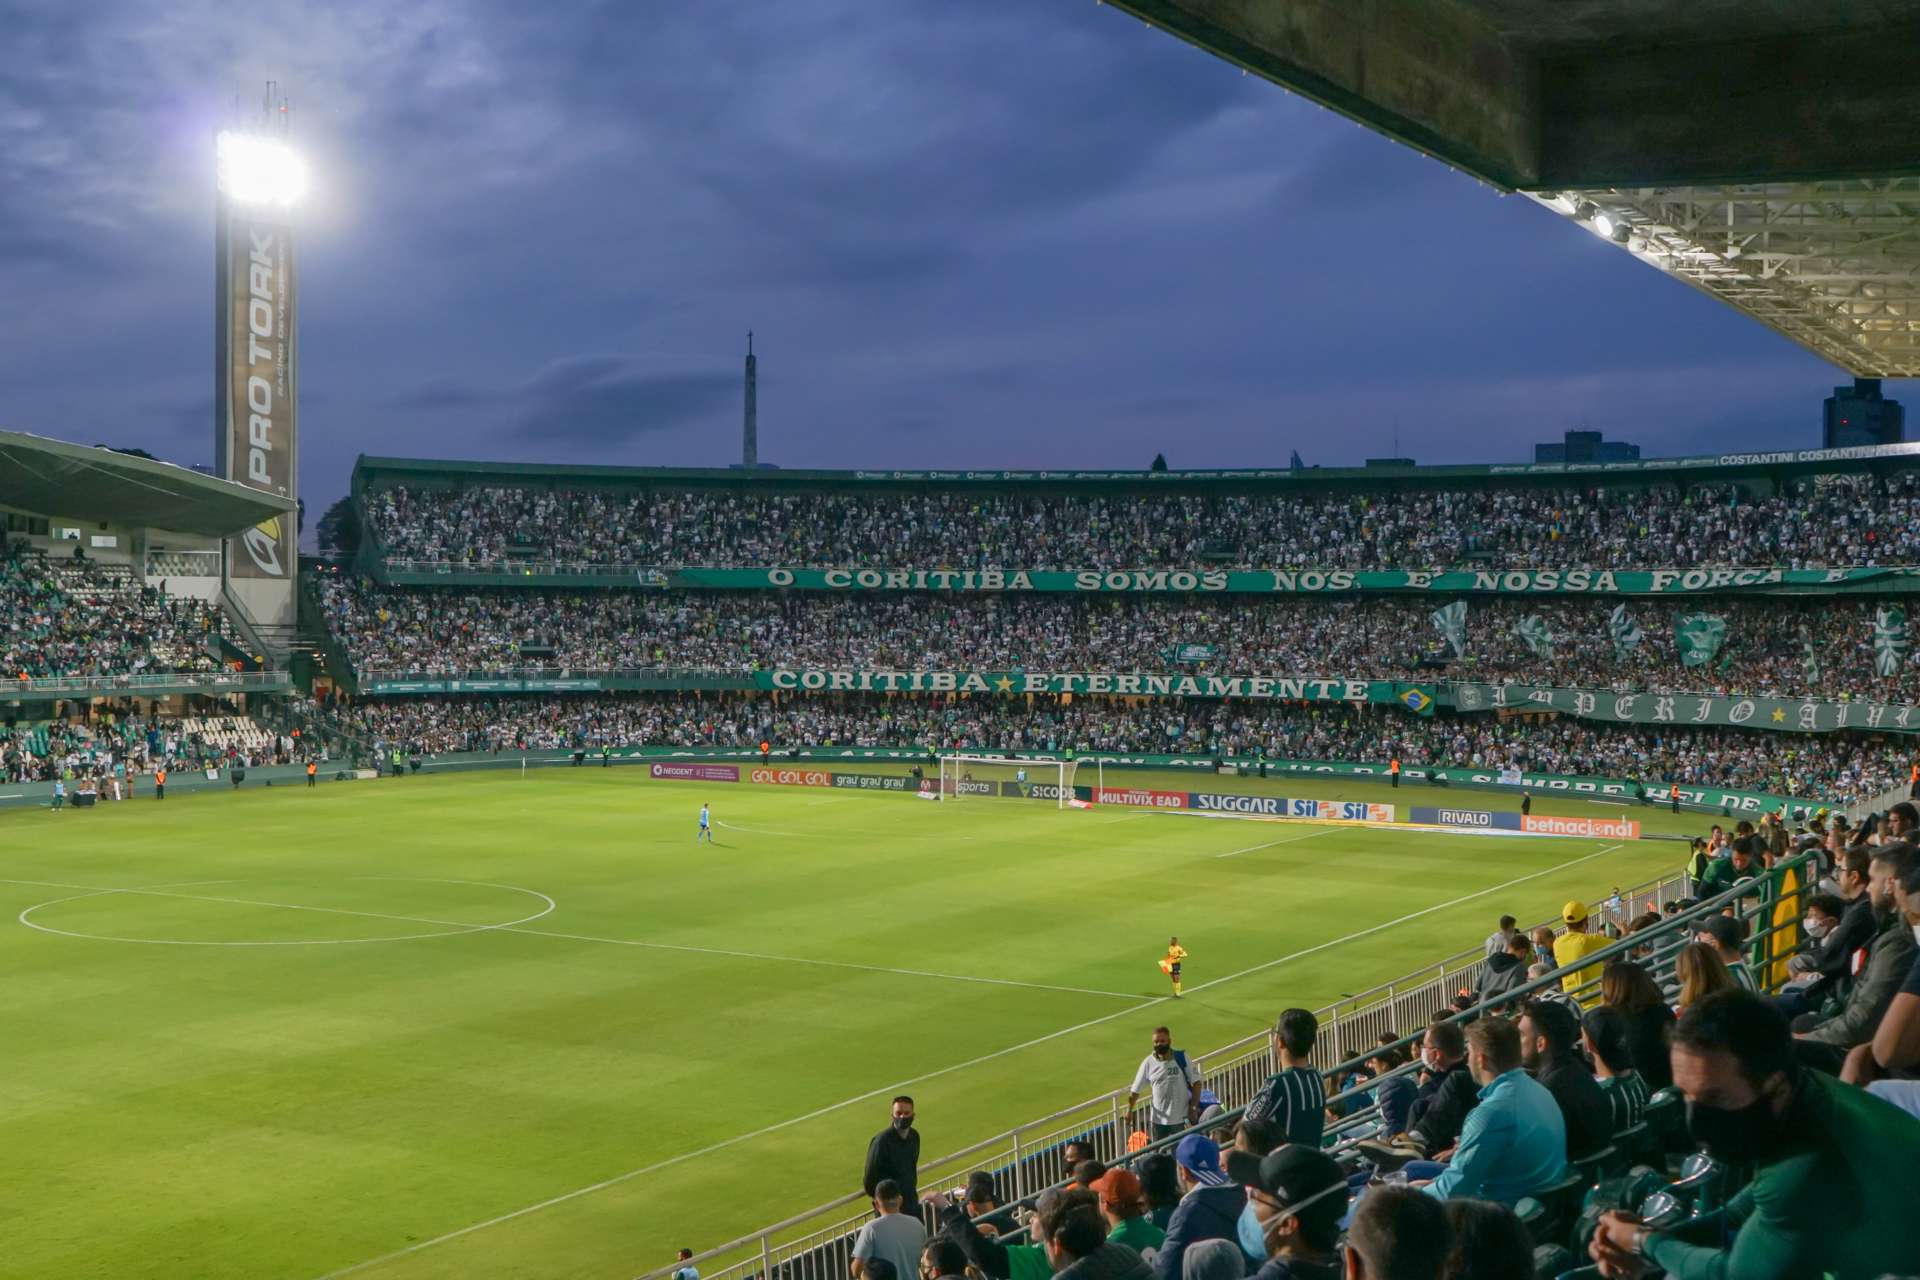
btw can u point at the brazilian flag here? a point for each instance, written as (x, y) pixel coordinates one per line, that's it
(1415, 698)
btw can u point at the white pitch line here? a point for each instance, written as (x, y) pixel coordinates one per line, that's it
(469, 926)
(815, 1114)
(1414, 915)
(1232, 853)
(760, 831)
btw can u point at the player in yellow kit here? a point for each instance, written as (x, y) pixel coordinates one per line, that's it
(1171, 965)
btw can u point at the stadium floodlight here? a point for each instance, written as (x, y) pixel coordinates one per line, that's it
(258, 170)
(1603, 224)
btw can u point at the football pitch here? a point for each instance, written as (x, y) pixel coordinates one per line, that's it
(487, 1026)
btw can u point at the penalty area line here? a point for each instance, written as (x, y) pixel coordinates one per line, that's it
(1234, 853)
(883, 1090)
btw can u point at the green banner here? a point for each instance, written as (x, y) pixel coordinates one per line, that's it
(1013, 683)
(1303, 581)
(1651, 791)
(1798, 715)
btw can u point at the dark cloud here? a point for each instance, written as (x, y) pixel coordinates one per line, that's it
(992, 234)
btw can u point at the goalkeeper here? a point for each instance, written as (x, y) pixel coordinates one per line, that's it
(1170, 965)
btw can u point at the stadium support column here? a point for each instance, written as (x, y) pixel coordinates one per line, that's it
(256, 354)
(750, 429)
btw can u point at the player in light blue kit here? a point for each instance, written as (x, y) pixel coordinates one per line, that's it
(706, 827)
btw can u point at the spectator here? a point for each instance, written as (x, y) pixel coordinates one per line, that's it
(1125, 1205)
(1172, 1084)
(1506, 970)
(987, 1254)
(1489, 1243)
(1818, 970)
(1895, 1047)
(943, 1259)
(1447, 1092)
(1159, 1181)
(1629, 988)
(1074, 1236)
(1296, 1197)
(1398, 1234)
(1701, 972)
(1823, 1043)
(894, 1236)
(1501, 939)
(1575, 945)
(1834, 1180)
(894, 1154)
(1543, 946)
(1603, 1033)
(1514, 1142)
(982, 1198)
(1295, 1098)
(1214, 1260)
(1727, 936)
(686, 1270)
(1209, 1206)
(1394, 1093)
(1549, 1038)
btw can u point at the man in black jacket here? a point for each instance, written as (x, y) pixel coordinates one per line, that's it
(1447, 1092)
(1548, 1034)
(895, 1153)
(1507, 969)
(1832, 960)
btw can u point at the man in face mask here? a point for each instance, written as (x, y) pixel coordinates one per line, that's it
(1896, 1042)
(895, 1153)
(1889, 956)
(1835, 1178)
(1291, 1225)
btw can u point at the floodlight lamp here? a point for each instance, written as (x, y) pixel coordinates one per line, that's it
(1603, 224)
(259, 170)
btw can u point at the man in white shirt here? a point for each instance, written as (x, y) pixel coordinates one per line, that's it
(1172, 1084)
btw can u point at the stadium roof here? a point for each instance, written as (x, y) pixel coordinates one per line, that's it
(1760, 150)
(54, 478)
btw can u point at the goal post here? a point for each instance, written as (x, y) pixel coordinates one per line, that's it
(984, 777)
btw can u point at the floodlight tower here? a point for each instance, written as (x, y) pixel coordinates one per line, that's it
(256, 357)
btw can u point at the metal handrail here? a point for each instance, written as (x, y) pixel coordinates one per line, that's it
(199, 681)
(1426, 985)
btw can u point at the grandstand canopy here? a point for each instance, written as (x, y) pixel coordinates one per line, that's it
(1760, 150)
(54, 478)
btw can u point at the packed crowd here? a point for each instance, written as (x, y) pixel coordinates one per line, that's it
(1774, 646)
(1830, 766)
(121, 745)
(1832, 520)
(1770, 1023)
(66, 617)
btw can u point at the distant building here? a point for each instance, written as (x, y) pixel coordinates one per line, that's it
(1859, 414)
(1586, 446)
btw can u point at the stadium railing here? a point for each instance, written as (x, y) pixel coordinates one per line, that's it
(818, 1244)
(213, 682)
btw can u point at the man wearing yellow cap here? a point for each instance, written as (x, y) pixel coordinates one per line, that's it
(1576, 944)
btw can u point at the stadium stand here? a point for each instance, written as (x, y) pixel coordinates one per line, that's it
(1838, 519)
(74, 617)
(1776, 647)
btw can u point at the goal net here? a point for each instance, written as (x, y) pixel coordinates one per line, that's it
(965, 777)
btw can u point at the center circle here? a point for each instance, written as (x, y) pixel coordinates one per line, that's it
(365, 909)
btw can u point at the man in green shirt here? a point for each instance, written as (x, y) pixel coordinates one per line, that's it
(1124, 1205)
(1835, 1178)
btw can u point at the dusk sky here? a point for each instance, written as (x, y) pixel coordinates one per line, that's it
(1005, 233)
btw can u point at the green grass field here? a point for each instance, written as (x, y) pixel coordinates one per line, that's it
(281, 1033)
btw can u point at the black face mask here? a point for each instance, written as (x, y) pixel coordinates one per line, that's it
(1162, 1050)
(1735, 1135)
(903, 1123)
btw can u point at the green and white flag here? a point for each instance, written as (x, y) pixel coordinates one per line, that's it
(1532, 630)
(1625, 632)
(1810, 658)
(1890, 640)
(1698, 636)
(1452, 621)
